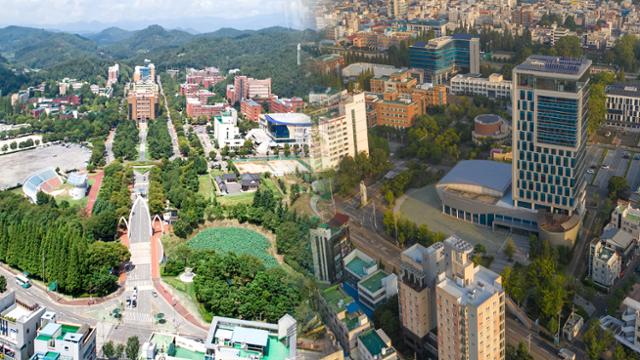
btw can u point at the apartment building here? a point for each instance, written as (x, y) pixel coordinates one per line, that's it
(142, 98)
(440, 288)
(330, 244)
(58, 340)
(605, 263)
(337, 312)
(623, 105)
(339, 132)
(19, 323)
(494, 87)
(626, 218)
(470, 306)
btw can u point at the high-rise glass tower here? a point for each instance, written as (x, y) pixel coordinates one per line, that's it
(550, 100)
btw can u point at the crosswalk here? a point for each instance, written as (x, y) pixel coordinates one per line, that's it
(133, 316)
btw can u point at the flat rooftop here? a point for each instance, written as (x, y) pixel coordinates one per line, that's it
(478, 291)
(336, 298)
(554, 65)
(374, 343)
(297, 119)
(373, 282)
(358, 266)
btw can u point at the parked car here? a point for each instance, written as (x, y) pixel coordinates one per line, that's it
(566, 354)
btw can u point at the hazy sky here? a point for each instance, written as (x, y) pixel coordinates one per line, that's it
(174, 13)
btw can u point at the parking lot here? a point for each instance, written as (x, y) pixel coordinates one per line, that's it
(19, 165)
(615, 162)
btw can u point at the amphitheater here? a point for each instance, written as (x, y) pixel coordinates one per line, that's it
(46, 180)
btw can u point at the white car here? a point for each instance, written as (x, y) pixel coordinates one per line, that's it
(605, 166)
(590, 171)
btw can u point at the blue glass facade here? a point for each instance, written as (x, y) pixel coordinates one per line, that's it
(549, 142)
(442, 58)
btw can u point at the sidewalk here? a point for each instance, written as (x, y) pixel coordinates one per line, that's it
(93, 193)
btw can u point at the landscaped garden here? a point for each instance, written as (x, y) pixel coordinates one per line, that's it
(234, 239)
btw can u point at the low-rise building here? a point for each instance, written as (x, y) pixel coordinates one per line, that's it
(623, 105)
(235, 339)
(287, 128)
(375, 345)
(572, 326)
(163, 346)
(59, 340)
(490, 127)
(396, 112)
(626, 330)
(285, 105)
(339, 313)
(605, 264)
(377, 288)
(495, 86)
(627, 218)
(196, 108)
(358, 265)
(18, 326)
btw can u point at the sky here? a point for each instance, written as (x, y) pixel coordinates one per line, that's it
(199, 15)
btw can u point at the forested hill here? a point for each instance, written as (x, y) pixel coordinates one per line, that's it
(269, 52)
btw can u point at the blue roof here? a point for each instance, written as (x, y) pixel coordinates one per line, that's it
(486, 173)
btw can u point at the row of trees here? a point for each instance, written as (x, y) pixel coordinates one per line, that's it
(125, 141)
(362, 167)
(407, 233)
(113, 202)
(159, 140)
(51, 243)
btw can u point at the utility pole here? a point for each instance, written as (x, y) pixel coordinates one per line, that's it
(529, 342)
(375, 225)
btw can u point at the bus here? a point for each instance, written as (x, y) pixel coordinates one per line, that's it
(23, 281)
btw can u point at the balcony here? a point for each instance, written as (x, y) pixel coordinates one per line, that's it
(628, 316)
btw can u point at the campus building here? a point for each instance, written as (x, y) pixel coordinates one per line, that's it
(250, 109)
(490, 128)
(225, 129)
(330, 244)
(623, 105)
(18, 326)
(494, 87)
(112, 74)
(142, 98)
(625, 330)
(59, 340)
(287, 128)
(161, 346)
(442, 58)
(248, 88)
(441, 288)
(144, 73)
(233, 339)
(339, 132)
(206, 77)
(395, 111)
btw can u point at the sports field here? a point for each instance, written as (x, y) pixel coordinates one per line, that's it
(275, 167)
(237, 240)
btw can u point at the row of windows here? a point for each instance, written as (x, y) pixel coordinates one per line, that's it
(546, 198)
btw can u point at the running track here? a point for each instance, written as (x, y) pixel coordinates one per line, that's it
(93, 193)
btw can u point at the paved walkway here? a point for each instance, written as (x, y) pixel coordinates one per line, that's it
(93, 192)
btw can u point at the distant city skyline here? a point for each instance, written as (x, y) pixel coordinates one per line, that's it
(191, 15)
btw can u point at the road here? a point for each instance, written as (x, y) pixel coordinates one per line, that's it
(142, 127)
(172, 129)
(108, 146)
(205, 139)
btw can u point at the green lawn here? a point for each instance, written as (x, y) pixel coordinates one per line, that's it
(206, 186)
(234, 239)
(241, 198)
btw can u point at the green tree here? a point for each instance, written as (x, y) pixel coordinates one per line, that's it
(569, 46)
(519, 353)
(618, 188)
(510, 248)
(119, 353)
(108, 350)
(3, 283)
(133, 348)
(596, 340)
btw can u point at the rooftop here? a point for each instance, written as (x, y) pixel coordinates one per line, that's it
(358, 265)
(555, 65)
(373, 282)
(481, 288)
(373, 342)
(336, 298)
(485, 173)
(298, 119)
(630, 89)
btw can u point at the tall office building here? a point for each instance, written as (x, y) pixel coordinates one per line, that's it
(397, 9)
(550, 102)
(441, 288)
(144, 73)
(471, 307)
(330, 243)
(339, 132)
(442, 58)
